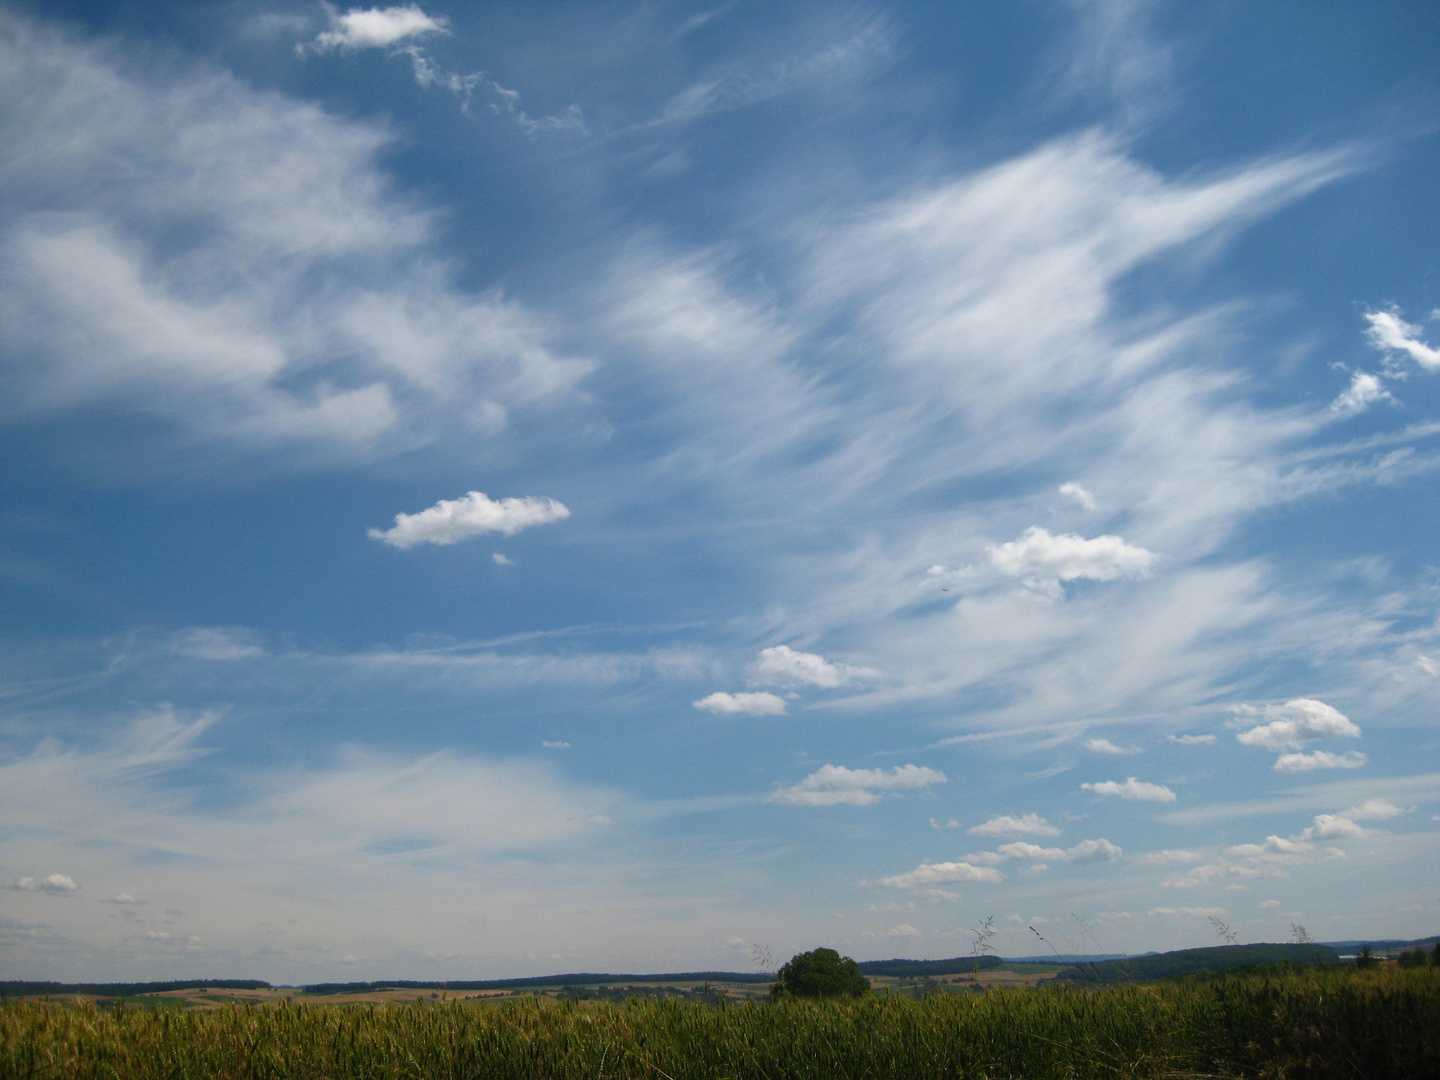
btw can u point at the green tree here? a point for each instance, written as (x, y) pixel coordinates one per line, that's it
(820, 973)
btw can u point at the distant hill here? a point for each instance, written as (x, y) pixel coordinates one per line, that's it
(578, 978)
(915, 969)
(19, 988)
(1190, 961)
(1070, 958)
(1380, 945)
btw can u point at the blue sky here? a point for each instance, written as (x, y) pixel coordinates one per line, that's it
(498, 489)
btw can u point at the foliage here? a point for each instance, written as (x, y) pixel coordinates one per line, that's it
(1191, 961)
(1320, 1024)
(820, 973)
(1416, 958)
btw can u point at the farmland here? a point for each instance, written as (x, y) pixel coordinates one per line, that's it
(1315, 1023)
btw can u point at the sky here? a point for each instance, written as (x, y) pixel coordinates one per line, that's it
(510, 488)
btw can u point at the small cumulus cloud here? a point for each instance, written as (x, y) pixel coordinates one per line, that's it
(953, 823)
(1295, 723)
(1087, 851)
(502, 560)
(555, 745)
(1074, 491)
(1043, 561)
(1393, 335)
(1192, 740)
(1028, 825)
(904, 930)
(452, 520)
(1105, 746)
(1268, 904)
(833, 785)
(1170, 855)
(943, 874)
(784, 665)
(56, 884)
(1273, 846)
(1319, 759)
(377, 28)
(1364, 390)
(121, 898)
(1131, 789)
(1195, 912)
(1345, 825)
(756, 704)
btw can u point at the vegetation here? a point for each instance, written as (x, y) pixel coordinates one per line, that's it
(1333, 1023)
(820, 973)
(1191, 961)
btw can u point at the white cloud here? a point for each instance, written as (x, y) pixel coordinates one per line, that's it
(1192, 740)
(1170, 855)
(1273, 846)
(123, 898)
(1268, 904)
(1201, 912)
(1105, 746)
(549, 744)
(1373, 810)
(832, 785)
(1296, 722)
(219, 643)
(1087, 851)
(942, 874)
(1093, 851)
(1364, 390)
(904, 930)
(1319, 759)
(378, 28)
(52, 883)
(1391, 334)
(1222, 871)
(452, 520)
(1028, 825)
(1079, 494)
(1342, 826)
(782, 664)
(1132, 789)
(1043, 561)
(501, 560)
(762, 703)
(309, 316)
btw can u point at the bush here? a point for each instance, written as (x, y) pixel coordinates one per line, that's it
(1413, 958)
(820, 973)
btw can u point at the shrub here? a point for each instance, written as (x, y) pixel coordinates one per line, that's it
(820, 973)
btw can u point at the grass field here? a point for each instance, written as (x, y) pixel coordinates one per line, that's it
(1293, 1025)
